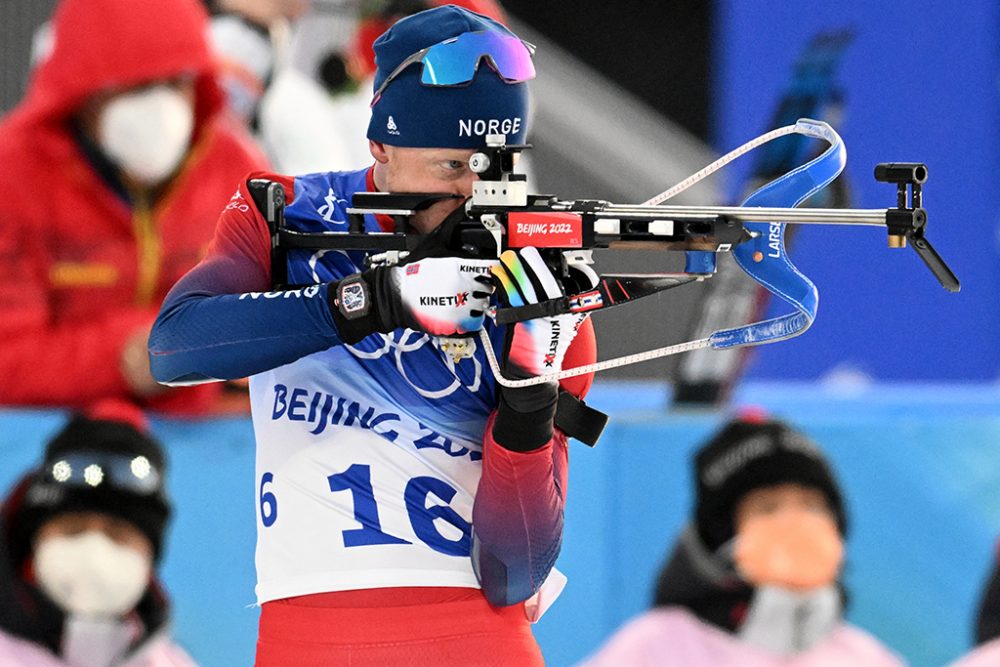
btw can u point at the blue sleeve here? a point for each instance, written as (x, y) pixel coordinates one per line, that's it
(199, 337)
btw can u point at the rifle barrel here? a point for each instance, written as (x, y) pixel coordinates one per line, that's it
(818, 216)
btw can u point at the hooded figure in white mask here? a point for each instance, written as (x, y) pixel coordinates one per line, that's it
(754, 580)
(79, 541)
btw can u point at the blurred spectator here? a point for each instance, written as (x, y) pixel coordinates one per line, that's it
(244, 45)
(983, 655)
(988, 618)
(117, 162)
(79, 539)
(987, 631)
(318, 121)
(262, 13)
(754, 580)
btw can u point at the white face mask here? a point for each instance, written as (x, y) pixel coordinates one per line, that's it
(91, 575)
(147, 133)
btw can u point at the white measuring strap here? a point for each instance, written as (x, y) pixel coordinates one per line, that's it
(720, 163)
(484, 338)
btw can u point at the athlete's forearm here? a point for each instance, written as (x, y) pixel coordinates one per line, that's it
(203, 335)
(518, 518)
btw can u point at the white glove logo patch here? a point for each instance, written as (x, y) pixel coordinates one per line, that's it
(457, 301)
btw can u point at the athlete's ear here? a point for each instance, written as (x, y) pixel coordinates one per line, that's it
(378, 151)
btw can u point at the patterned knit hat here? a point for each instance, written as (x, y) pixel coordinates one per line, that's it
(102, 463)
(750, 454)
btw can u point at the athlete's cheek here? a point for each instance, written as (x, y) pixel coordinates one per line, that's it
(427, 221)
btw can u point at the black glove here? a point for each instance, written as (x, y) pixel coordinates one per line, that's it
(442, 296)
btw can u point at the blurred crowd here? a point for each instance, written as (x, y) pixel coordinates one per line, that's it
(139, 121)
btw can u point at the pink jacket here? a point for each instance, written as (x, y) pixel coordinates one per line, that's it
(986, 655)
(159, 651)
(673, 636)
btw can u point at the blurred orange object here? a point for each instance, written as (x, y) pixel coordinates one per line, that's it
(792, 548)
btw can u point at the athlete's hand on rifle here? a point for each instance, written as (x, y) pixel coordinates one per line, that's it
(537, 346)
(442, 296)
(534, 347)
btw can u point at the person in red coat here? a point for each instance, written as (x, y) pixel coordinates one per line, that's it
(115, 165)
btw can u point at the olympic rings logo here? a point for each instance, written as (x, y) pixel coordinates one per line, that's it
(402, 341)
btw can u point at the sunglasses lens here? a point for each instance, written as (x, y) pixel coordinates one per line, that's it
(512, 61)
(453, 62)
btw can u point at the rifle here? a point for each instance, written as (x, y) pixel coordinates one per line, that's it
(501, 214)
(705, 377)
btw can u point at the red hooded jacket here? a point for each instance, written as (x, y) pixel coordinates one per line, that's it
(82, 268)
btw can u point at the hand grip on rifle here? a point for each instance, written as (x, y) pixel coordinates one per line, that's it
(525, 415)
(538, 345)
(442, 296)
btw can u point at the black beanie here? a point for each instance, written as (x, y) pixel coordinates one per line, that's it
(119, 472)
(747, 455)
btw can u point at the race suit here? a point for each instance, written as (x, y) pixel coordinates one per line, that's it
(376, 467)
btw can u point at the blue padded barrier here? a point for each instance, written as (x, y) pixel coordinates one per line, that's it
(920, 466)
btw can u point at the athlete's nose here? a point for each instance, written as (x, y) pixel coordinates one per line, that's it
(464, 186)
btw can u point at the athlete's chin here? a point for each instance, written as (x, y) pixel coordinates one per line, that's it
(427, 221)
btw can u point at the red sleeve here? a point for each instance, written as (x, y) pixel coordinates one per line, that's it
(518, 517)
(518, 509)
(582, 351)
(239, 256)
(69, 365)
